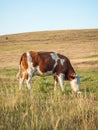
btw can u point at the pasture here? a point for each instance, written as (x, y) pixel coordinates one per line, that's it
(42, 108)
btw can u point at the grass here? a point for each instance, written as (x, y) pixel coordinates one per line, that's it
(44, 109)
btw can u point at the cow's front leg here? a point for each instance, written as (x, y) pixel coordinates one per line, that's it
(61, 77)
(55, 82)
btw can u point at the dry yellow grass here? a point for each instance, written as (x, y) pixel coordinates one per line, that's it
(81, 46)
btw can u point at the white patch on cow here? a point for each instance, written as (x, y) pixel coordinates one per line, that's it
(29, 59)
(62, 61)
(75, 84)
(31, 69)
(39, 72)
(56, 58)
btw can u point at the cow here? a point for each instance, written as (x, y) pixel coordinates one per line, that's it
(47, 63)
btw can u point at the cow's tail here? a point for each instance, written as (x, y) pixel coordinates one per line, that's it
(20, 70)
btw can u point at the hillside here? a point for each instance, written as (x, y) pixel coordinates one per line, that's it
(81, 46)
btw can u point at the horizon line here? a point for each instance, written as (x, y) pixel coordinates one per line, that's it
(77, 29)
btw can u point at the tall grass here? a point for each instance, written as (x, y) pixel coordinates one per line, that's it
(44, 109)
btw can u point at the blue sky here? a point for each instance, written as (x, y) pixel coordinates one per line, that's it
(17, 16)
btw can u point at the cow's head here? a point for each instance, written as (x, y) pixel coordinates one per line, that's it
(75, 83)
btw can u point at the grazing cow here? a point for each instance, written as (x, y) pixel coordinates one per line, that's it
(47, 63)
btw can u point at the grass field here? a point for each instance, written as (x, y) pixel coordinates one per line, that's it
(42, 108)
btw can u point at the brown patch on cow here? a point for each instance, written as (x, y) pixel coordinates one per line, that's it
(66, 68)
(61, 56)
(24, 62)
(59, 68)
(46, 63)
(34, 56)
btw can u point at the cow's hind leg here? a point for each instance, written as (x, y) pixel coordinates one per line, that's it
(61, 80)
(30, 74)
(28, 81)
(21, 81)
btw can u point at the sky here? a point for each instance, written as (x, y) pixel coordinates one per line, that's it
(18, 16)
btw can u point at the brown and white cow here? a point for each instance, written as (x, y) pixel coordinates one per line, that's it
(47, 63)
